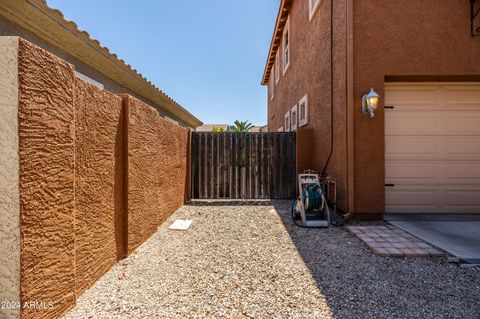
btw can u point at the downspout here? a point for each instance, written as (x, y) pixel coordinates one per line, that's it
(331, 91)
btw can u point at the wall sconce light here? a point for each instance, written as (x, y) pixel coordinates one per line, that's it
(370, 103)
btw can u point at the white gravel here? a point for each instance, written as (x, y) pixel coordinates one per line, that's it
(249, 261)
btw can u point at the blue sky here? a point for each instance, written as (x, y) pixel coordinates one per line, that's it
(208, 55)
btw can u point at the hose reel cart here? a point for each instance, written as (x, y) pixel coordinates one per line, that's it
(311, 208)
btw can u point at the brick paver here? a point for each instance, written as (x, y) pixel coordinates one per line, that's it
(393, 242)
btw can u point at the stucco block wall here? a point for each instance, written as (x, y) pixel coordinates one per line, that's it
(9, 177)
(47, 157)
(86, 176)
(156, 170)
(172, 171)
(309, 73)
(98, 183)
(143, 168)
(407, 39)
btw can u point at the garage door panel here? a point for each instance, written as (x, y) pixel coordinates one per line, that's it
(411, 172)
(402, 123)
(467, 148)
(466, 123)
(458, 96)
(463, 173)
(408, 147)
(432, 148)
(466, 198)
(411, 197)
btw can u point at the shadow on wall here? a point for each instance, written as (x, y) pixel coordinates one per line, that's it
(358, 284)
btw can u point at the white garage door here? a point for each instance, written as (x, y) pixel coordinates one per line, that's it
(432, 148)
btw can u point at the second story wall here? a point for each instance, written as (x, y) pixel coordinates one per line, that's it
(309, 75)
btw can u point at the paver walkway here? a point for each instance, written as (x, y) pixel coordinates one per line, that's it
(250, 261)
(392, 241)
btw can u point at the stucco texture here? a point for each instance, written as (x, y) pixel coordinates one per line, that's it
(98, 182)
(309, 73)
(172, 171)
(156, 170)
(9, 161)
(401, 38)
(47, 156)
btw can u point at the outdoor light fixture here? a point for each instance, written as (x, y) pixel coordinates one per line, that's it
(370, 103)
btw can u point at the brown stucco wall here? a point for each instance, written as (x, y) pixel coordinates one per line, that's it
(401, 38)
(142, 162)
(98, 173)
(47, 156)
(309, 73)
(98, 182)
(172, 170)
(156, 169)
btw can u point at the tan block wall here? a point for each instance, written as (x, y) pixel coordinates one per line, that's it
(98, 182)
(9, 192)
(47, 156)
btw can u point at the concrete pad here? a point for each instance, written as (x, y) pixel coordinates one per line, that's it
(459, 238)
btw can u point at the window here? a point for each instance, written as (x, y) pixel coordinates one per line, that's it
(286, 46)
(294, 117)
(277, 67)
(287, 122)
(303, 111)
(272, 88)
(312, 7)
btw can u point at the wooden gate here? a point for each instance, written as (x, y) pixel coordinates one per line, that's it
(243, 165)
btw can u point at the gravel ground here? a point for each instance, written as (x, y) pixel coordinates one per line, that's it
(249, 261)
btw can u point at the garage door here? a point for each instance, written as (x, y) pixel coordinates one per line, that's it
(432, 148)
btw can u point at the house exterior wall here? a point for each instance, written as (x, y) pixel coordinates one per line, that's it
(9, 177)
(309, 73)
(411, 40)
(99, 241)
(8, 28)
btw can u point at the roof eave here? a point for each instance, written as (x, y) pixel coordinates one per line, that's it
(37, 17)
(282, 17)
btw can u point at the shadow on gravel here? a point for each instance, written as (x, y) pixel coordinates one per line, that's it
(359, 284)
(228, 202)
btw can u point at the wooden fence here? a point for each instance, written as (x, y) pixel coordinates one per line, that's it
(243, 165)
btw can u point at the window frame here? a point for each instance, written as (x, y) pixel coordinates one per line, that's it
(277, 66)
(311, 11)
(304, 101)
(272, 88)
(286, 35)
(287, 122)
(294, 118)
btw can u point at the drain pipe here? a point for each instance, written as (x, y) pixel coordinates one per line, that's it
(331, 91)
